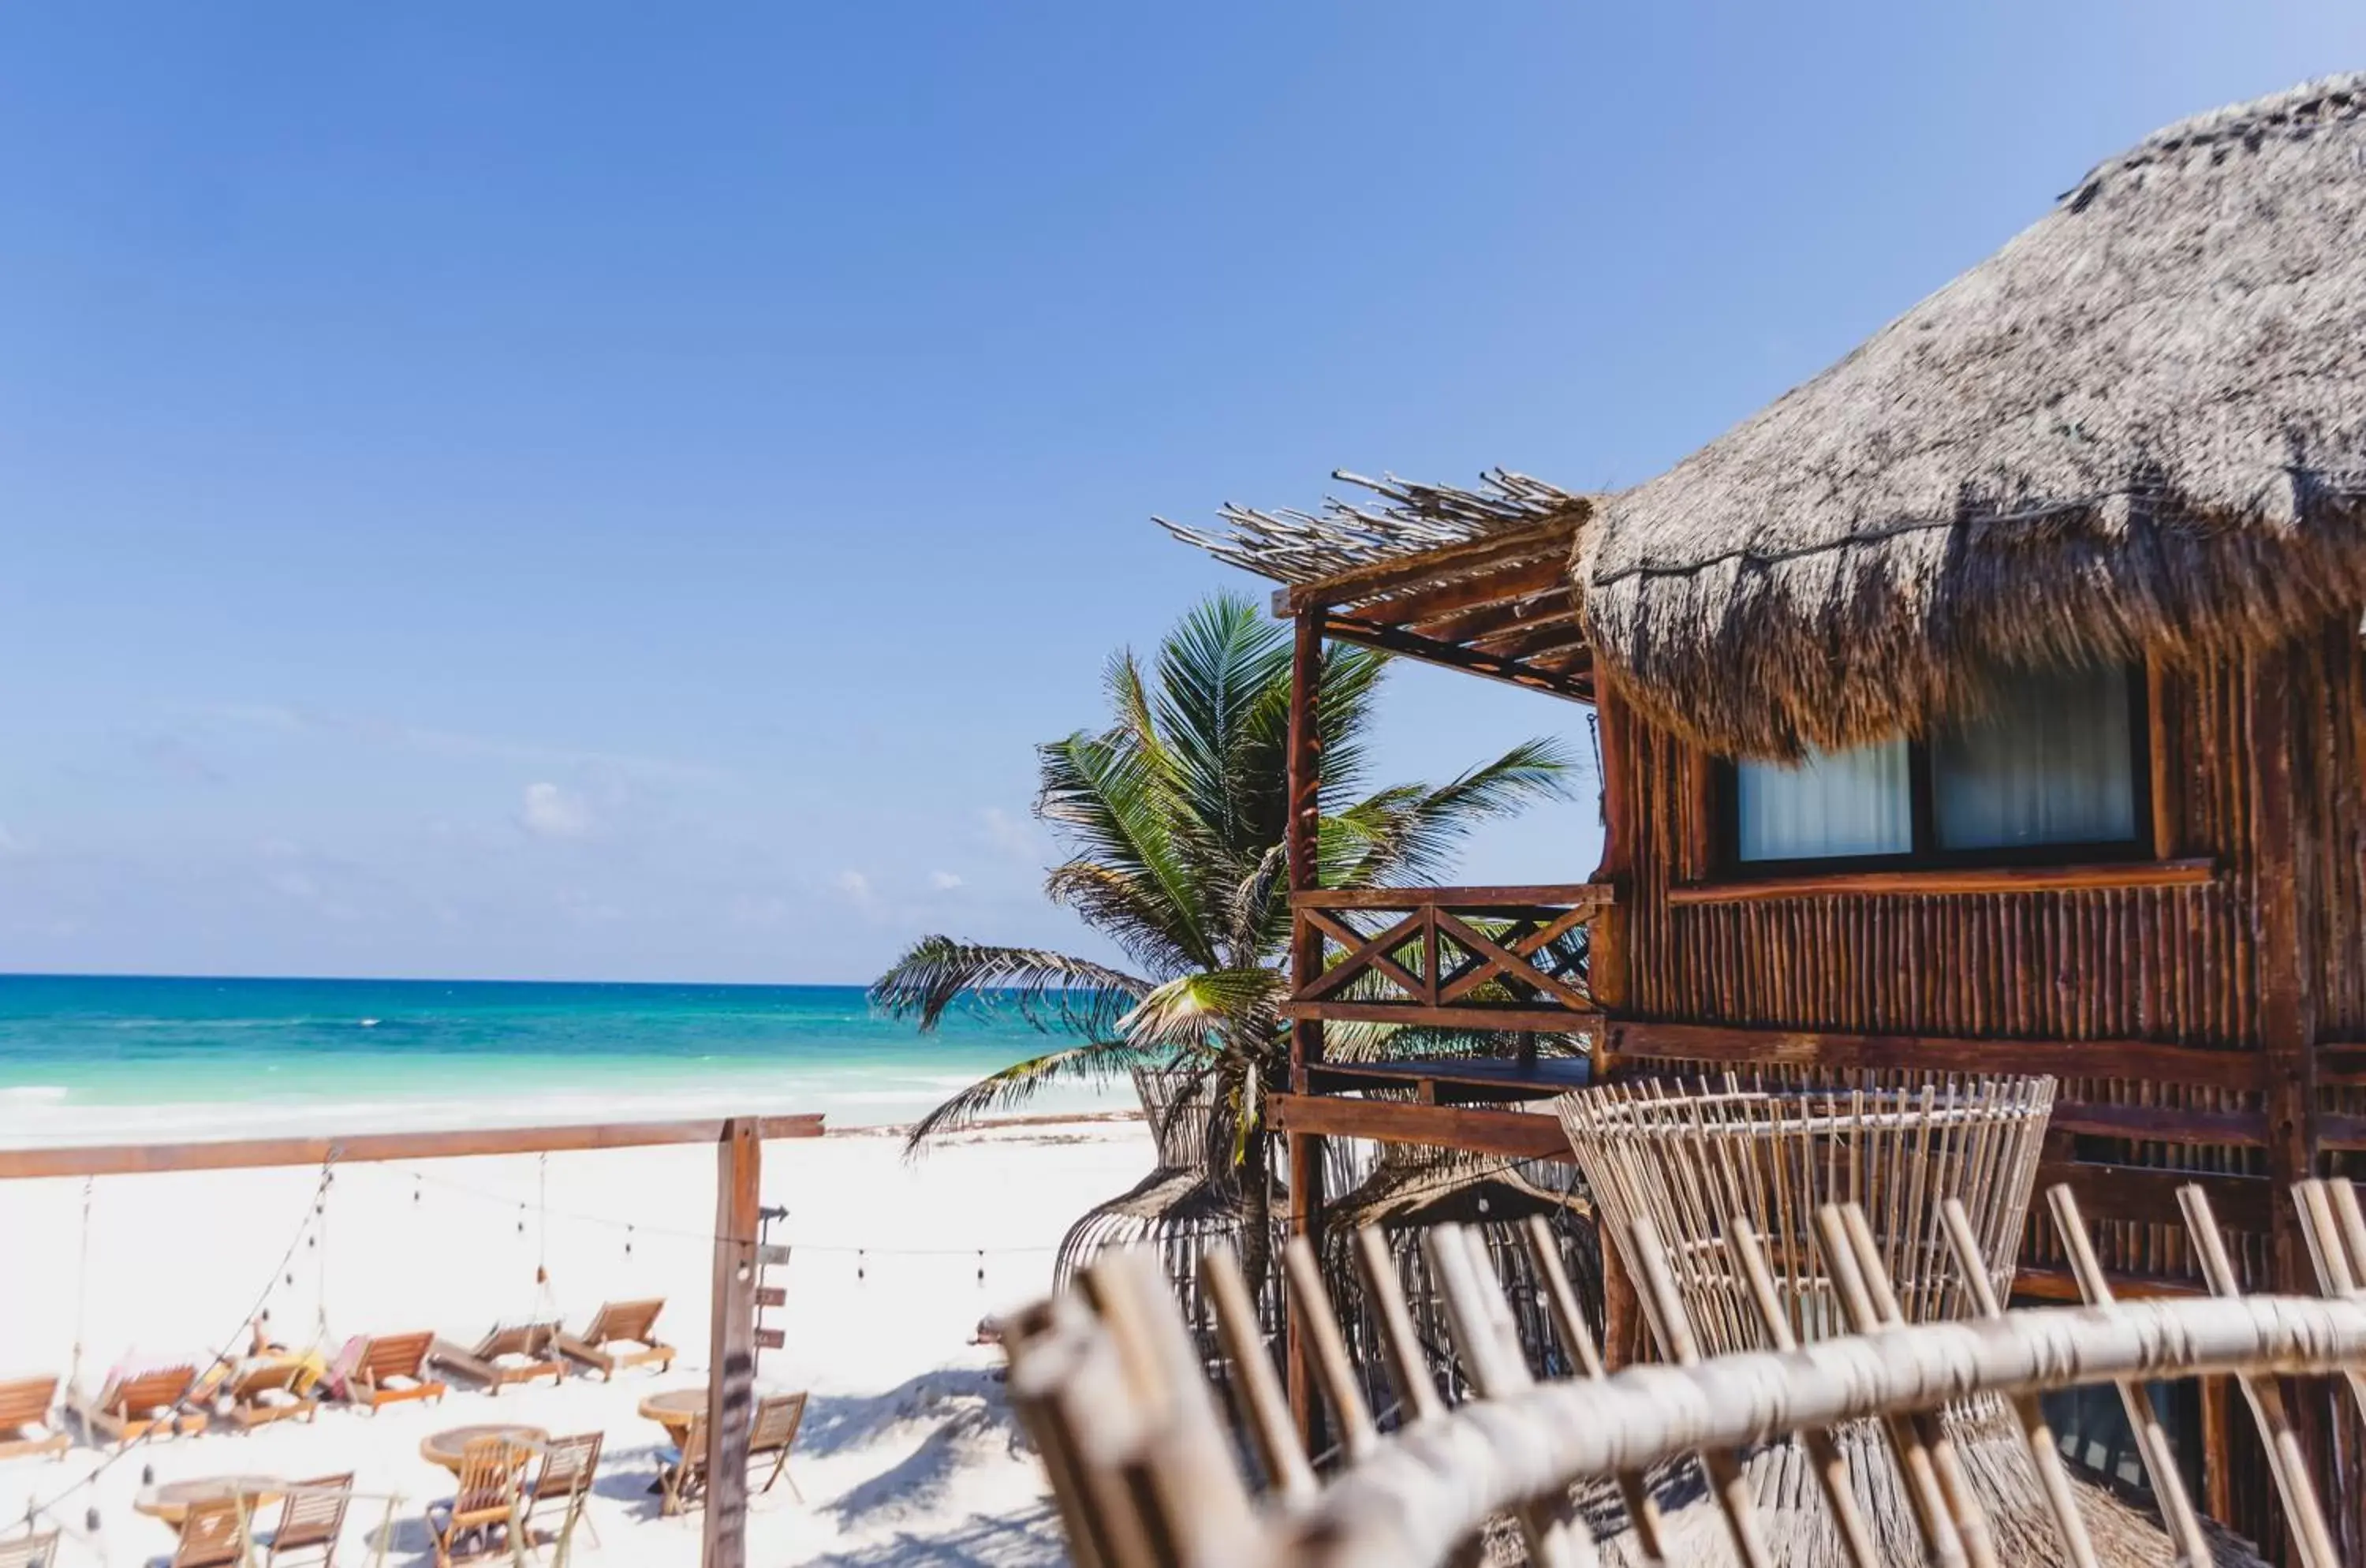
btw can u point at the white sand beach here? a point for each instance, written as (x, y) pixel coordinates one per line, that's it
(907, 1454)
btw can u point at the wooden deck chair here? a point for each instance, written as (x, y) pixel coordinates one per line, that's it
(129, 1408)
(681, 1472)
(311, 1519)
(774, 1429)
(385, 1369)
(512, 1352)
(563, 1484)
(778, 1416)
(258, 1395)
(485, 1506)
(30, 1551)
(25, 1426)
(215, 1533)
(622, 1334)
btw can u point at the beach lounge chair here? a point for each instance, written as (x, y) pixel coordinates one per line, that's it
(512, 1352)
(480, 1513)
(132, 1405)
(263, 1391)
(563, 1484)
(311, 1519)
(215, 1533)
(681, 1474)
(24, 1427)
(621, 1335)
(30, 1551)
(384, 1369)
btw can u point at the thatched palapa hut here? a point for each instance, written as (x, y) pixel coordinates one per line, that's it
(1993, 702)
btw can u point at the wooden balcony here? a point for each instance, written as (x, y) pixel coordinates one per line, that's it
(1477, 958)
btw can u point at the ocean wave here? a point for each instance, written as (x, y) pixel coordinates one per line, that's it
(45, 1093)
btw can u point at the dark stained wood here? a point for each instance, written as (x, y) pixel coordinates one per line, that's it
(1547, 539)
(1950, 880)
(2161, 1123)
(1302, 846)
(2052, 1284)
(1481, 900)
(731, 1385)
(1508, 580)
(241, 1153)
(1569, 679)
(2083, 1058)
(1554, 607)
(1501, 1076)
(1516, 1134)
(2143, 1195)
(1474, 1015)
(2160, 753)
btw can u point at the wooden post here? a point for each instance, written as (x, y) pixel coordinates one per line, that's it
(731, 1360)
(1303, 842)
(2286, 1022)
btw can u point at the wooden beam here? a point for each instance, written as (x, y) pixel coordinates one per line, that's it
(1518, 1134)
(2167, 808)
(1951, 879)
(1517, 1020)
(2230, 1069)
(1391, 639)
(1500, 584)
(1401, 571)
(2048, 1284)
(358, 1148)
(2161, 1123)
(2144, 1195)
(1302, 845)
(1551, 607)
(1524, 895)
(731, 1347)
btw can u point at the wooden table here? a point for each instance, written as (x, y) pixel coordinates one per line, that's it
(172, 1500)
(673, 1408)
(446, 1448)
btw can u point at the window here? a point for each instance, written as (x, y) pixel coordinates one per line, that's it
(2051, 766)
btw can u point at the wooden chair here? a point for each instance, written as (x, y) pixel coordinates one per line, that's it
(259, 1394)
(25, 1426)
(778, 1416)
(386, 1369)
(30, 1551)
(216, 1533)
(484, 1507)
(621, 1335)
(511, 1353)
(564, 1483)
(774, 1429)
(311, 1519)
(683, 1477)
(129, 1408)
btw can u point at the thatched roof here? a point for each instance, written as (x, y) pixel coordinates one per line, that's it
(2141, 425)
(1405, 520)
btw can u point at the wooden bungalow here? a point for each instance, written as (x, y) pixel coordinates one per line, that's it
(1994, 701)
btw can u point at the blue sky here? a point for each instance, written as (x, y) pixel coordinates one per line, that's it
(615, 491)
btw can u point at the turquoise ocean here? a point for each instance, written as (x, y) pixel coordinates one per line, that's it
(91, 1058)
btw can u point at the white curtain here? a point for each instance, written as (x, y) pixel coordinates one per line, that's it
(1857, 802)
(2052, 764)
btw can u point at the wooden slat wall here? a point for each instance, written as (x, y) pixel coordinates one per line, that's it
(2173, 966)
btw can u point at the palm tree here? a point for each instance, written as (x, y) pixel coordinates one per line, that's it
(1173, 819)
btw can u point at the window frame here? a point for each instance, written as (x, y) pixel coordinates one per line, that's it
(1725, 848)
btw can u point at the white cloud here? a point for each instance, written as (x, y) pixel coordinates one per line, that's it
(944, 881)
(1015, 837)
(10, 844)
(456, 743)
(550, 812)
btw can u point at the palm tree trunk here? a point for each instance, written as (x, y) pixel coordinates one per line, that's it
(1256, 1207)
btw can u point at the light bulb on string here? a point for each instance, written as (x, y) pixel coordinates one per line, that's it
(629, 1241)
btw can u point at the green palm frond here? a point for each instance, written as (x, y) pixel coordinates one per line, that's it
(1048, 989)
(1188, 1013)
(1098, 1061)
(1413, 832)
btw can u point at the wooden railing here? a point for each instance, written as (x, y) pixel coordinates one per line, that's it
(1508, 958)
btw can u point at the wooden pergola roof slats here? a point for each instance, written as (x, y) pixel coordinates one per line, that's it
(1476, 579)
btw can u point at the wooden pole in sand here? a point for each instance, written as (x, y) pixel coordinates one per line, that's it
(731, 1357)
(1302, 834)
